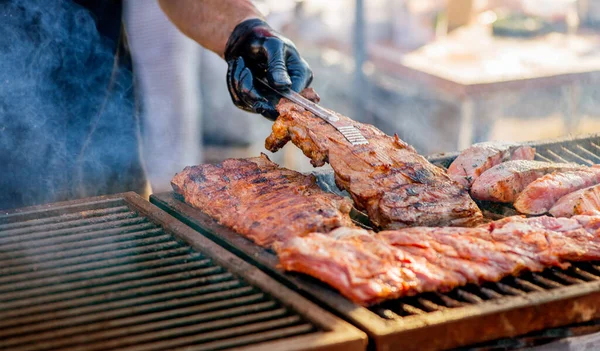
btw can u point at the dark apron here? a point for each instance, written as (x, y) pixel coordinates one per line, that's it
(68, 118)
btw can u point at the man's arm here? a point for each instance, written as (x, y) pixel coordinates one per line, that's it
(236, 31)
(209, 22)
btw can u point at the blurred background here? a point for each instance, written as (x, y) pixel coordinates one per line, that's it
(442, 74)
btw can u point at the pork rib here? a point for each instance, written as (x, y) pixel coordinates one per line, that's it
(260, 200)
(371, 267)
(362, 267)
(539, 196)
(396, 186)
(478, 158)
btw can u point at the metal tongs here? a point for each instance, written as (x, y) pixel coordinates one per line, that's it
(350, 132)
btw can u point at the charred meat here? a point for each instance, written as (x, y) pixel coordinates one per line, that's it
(260, 200)
(387, 178)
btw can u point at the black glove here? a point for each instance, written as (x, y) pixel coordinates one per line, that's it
(255, 50)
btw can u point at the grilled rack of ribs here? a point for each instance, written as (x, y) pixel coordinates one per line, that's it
(387, 178)
(371, 267)
(262, 201)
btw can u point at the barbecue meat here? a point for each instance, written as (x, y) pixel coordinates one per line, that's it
(478, 158)
(260, 200)
(539, 196)
(396, 186)
(504, 182)
(566, 239)
(371, 267)
(361, 267)
(582, 202)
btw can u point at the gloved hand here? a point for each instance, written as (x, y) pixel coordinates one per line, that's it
(255, 50)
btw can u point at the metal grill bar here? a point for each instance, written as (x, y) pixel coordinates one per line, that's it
(577, 157)
(116, 328)
(135, 224)
(24, 256)
(593, 157)
(83, 240)
(67, 303)
(23, 216)
(21, 299)
(161, 266)
(95, 268)
(121, 251)
(99, 275)
(197, 333)
(64, 218)
(118, 308)
(78, 225)
(474, 295)
(241, 340)
(587, 276)
(582, 153)
(542, 158)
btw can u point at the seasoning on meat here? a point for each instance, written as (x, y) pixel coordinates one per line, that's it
(396, 186)
(582, 202)
(478, 158)
(539, 196)
(260, 200)
(372, 267)
(504, 182)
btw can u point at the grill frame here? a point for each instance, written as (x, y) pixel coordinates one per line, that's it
(507, 316)
(333, 334)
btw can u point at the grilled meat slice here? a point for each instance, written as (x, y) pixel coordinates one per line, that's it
(539, 196)
(565, 239)
(478, 158)
(260, 200)
(582, 202)
(396, 186)
(371, 267)
(362, 267)
(504, 182)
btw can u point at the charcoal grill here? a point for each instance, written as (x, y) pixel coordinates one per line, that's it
(467, 315)
(116, 272)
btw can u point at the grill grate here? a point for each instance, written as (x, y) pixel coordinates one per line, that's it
(476, 294)
(100, 275)
(584, 151)
(466, 315)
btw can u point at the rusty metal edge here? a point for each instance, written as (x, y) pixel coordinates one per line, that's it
(505, 317)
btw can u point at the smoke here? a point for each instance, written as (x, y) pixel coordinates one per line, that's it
(67, 126)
